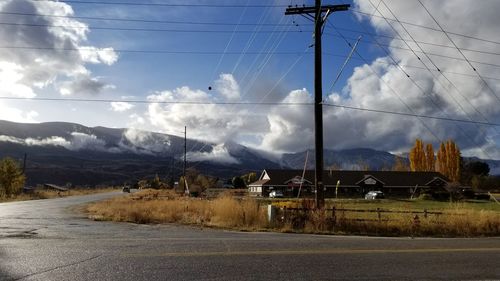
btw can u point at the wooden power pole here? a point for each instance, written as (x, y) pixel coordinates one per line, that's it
(184, 166)
(319, 13)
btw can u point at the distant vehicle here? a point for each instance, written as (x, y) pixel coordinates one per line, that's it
(374, 195)
(276, 194)
(126, 189)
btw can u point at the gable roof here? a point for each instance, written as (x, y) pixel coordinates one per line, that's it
(352, 178)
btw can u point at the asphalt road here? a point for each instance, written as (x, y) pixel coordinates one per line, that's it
(49, 240)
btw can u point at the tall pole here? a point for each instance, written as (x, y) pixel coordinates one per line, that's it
(316, 14)
(24, 163)
(184, 167)
(318, 108)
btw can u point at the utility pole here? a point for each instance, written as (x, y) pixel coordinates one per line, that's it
(24, 163)
(184, 168)
(319, 13)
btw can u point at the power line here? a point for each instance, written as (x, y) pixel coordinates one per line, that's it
(260, 103)
(149, 4)
(178, 52)
(136, 29)
(427, 95)
(142, 20)
(461, 53)
(439, 71)
(232, 24)
(413, 115)
(429, 28)
(244, 31)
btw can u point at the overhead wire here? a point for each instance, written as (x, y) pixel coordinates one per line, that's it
(273, 47)
(428, 27)
(252, 38)
(157, 4)
(424, 92)
(216, 69)
(201, 23)
(388, 86)
(461, 53)
(442, 74)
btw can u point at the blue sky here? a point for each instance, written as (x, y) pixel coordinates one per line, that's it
(220, 40)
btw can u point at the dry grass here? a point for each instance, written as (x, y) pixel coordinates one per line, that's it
(154, 206)
(459, 222)
(48, 194)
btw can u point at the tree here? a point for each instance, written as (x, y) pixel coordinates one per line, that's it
(477, 168)
(250, 177)
(11, 178)
(474, 169)
(430, 160)
(448, 160)
(417, 157)
(400, 165)
(238, 182)
(156, 183)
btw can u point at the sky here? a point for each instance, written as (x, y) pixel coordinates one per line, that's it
(427, 58)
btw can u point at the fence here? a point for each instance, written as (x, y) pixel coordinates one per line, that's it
(361, 215)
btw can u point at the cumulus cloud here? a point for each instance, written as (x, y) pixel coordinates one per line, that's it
(17, 115)
(121, 106)
(434, 94)
(219, 154)
(83, 84)
(227, 86)
(207, 121)
(382, 85)
(43, 54)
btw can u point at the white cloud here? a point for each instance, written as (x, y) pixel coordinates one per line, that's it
(53, 141)
(121, 106)
(17, 115)
(96, 56)
(83, 84)
(78, 141)
(208, 121)
(439, 97)
(219, 154)
(139, 141)
(227, 86)
(23, 70)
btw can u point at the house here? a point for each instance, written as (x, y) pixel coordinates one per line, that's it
(350, 183)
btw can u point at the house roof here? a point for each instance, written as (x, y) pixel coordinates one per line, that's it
(258, 183)
(352, 178)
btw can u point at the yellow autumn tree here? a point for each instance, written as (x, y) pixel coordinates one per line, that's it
(430, 160)
(417, 157)
(448, 160)
(400, 165)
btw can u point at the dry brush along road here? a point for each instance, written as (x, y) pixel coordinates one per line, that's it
(50, 240)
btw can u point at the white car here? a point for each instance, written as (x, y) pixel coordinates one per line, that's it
(276, 194)
(374, 195)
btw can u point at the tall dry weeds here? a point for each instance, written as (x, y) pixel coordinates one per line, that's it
(228, 212)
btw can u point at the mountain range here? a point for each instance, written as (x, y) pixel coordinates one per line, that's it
(60, 153)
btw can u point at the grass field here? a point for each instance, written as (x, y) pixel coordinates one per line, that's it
(393, 218)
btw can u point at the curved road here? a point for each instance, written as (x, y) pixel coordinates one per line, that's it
(49, 240)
